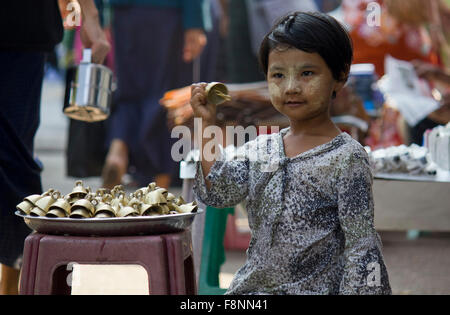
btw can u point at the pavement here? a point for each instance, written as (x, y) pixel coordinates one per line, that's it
(415, 266)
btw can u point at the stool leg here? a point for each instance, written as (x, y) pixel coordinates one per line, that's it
(180, 263)
(30, 257)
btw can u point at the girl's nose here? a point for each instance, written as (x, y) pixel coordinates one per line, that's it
(293, 87)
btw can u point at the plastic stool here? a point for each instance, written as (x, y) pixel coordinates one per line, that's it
(167, 258)
(213, 252)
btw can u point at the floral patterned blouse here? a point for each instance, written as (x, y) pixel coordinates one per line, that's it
(311, 217)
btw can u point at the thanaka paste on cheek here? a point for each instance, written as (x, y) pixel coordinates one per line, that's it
(274, 91)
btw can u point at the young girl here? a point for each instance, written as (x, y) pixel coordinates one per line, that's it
(311, 211)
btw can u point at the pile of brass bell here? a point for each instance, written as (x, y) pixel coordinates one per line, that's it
(104, 203)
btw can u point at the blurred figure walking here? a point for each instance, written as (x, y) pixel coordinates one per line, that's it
(28, 30)
(155, 44)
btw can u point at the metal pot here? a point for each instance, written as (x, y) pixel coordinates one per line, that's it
(90, 92)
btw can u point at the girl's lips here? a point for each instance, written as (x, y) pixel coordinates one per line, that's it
(294, 104)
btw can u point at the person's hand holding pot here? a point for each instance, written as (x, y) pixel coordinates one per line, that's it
(92, 34)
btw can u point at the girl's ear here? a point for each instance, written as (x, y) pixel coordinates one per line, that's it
(338, 86)
(343, 79)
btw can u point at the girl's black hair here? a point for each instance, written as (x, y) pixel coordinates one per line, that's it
(312, 32)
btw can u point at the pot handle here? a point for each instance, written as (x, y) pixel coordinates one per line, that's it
(87, 55)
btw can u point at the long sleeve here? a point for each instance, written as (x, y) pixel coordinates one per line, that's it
(195, 14)
(364, 271)
(228, 177)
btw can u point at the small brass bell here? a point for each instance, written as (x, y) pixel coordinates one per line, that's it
(101, 193)
(170, 197)
(173, 207)
(155, 197)
(106, 198)
(152, 210)
(128, 211)
(28, 203)
(171, 203)
(189, 207)
(78, 192)
(60, 208)
(115, 204)
(136, 198)
(152, 186)
(143, 190)
(42, 205)
(117, 190)
(179, 201)
(163, 191)
(102, 210)
(83, 208)
(164, 209)
(145, 209)
(118, 202)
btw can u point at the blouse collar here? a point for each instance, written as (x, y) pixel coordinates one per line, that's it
(333, 143)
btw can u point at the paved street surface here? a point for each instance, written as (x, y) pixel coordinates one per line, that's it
(420, 266)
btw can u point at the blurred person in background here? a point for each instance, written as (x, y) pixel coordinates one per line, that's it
(393, 37)
(28, 30)
(433, 18)
(155, 43)
(327, 6)
(246, 23)
(372, 43)
(212, 57)
(241, 63)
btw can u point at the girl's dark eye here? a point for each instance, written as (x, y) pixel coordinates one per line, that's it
(277, 75)
(307, 73)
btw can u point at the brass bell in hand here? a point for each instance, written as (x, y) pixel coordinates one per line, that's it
(217, 93)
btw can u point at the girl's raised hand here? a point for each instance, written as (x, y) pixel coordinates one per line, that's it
(200, 106)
